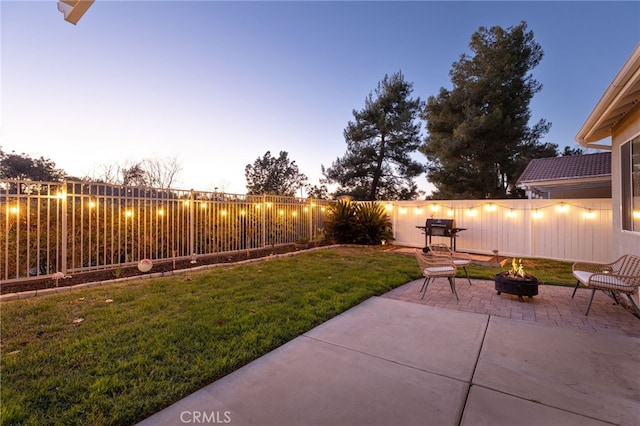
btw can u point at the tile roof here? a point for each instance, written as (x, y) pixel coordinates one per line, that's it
(567, 167)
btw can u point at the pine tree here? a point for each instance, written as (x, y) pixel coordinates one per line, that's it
(377, 164)
(478, 138)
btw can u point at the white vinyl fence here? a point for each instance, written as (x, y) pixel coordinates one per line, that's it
(571, 230)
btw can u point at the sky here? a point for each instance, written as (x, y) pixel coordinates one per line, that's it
(217, 84)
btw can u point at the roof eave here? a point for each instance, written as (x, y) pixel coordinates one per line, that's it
(567, 180)
(621, 96)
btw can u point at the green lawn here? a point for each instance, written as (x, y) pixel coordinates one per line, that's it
(545, 270)
(117, 354)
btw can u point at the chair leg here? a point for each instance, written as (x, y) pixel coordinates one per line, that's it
(593, 293)
(467, 274)
(633, 302)
(615, 298)
(452, 283)
(425, 285)
(575, 288)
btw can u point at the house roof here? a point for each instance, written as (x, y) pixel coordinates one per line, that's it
(567, 167)
(569, 173)
(622, 95)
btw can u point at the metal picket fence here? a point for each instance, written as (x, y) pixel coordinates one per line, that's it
(48, 227)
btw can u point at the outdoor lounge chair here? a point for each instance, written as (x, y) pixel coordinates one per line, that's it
(433, 267)
(621, 276)
(459, 259)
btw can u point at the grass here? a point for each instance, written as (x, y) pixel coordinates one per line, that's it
(116, 354)
(144, 345)
(547, 271)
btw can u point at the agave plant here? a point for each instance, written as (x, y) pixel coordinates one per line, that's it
(373, 223)
(358, 223)
(341, 222)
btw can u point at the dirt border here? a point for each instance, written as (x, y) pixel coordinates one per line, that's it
(36, 287)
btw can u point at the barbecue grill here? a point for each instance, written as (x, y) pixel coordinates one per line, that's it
(440, 228)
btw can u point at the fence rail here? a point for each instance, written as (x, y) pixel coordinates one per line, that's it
(46, 227)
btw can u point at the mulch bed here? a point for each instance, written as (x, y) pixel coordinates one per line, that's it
(158, 266)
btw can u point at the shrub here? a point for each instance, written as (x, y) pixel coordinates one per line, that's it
(358, 223)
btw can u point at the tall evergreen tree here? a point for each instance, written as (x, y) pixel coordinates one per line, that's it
(377, 164)
(478, 138)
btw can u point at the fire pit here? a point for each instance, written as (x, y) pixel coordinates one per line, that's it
(516, 281)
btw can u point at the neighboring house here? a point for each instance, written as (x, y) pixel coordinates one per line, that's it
(573, 176)
(617, 115)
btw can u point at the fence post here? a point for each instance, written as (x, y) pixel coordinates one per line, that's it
(63, 230)
(310, 210)
(192, 225)
(264, 220)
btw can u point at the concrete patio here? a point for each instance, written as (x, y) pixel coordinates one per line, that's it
(401, 360)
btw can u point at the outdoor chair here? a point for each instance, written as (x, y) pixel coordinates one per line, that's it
(459, 259)
(433, 267)
(621, 276)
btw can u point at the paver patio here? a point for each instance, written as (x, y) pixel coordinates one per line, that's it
(552, 306)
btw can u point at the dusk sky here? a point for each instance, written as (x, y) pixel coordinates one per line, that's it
(217, 84)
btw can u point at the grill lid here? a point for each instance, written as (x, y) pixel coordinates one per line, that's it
(441, 223)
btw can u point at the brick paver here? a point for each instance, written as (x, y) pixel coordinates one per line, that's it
(552, 306)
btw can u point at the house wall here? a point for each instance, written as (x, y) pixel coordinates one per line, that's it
(626, 130)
